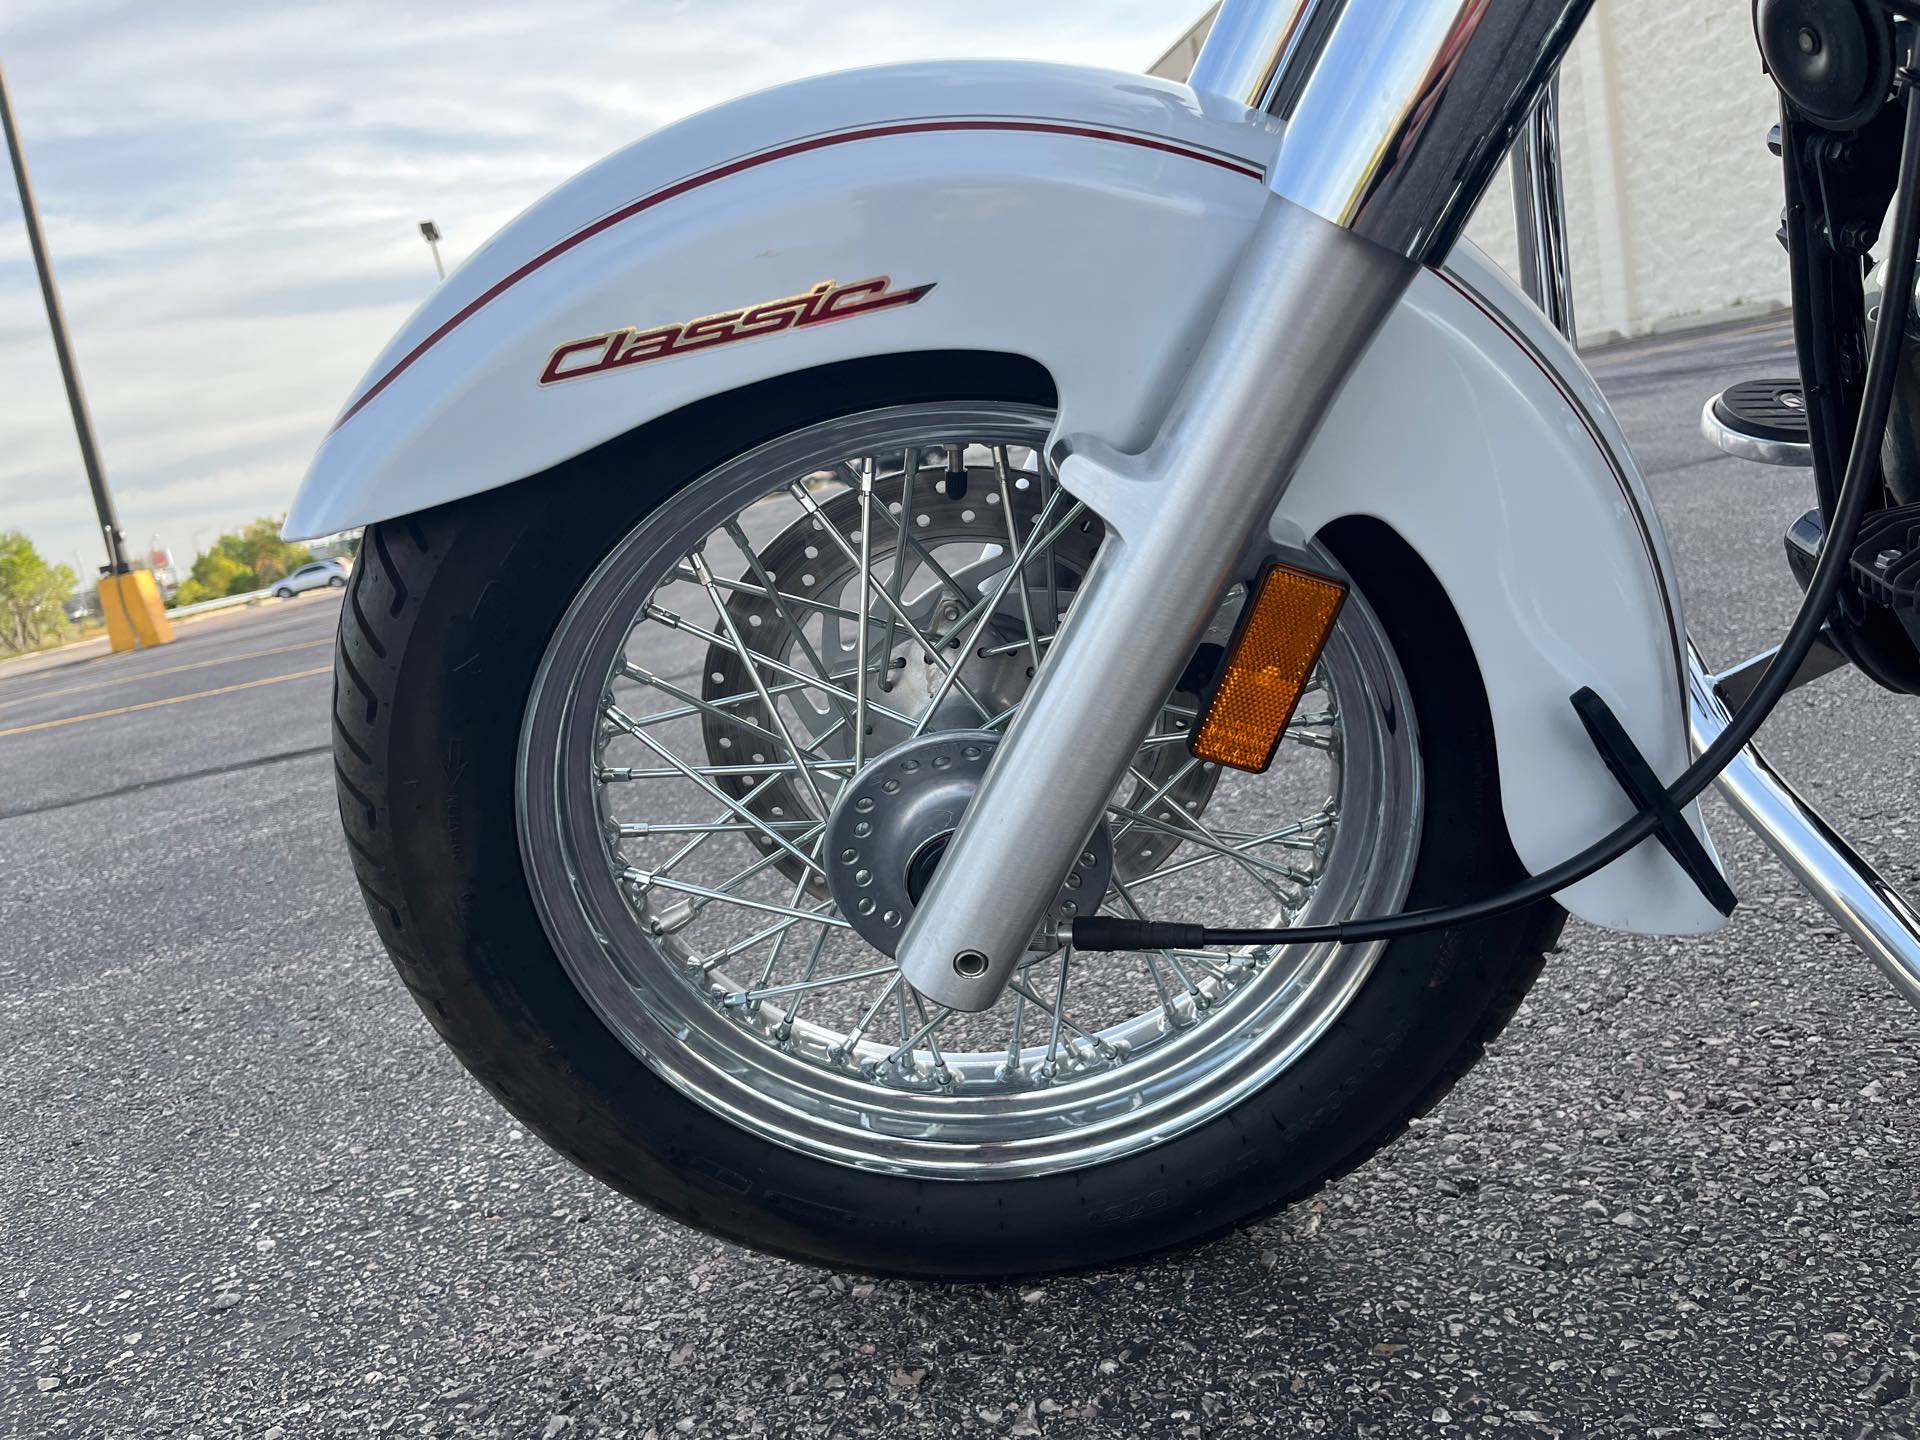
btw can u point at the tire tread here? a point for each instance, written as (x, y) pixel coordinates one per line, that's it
(494, 1026)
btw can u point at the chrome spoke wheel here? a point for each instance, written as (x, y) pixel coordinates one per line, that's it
(852, 614)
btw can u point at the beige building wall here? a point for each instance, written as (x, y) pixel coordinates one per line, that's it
(1672, 195)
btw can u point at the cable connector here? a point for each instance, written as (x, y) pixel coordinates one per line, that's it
(1110, 932)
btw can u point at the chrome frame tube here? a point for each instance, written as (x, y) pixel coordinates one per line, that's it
(1867, 907)
(1540, 215)
(1398, 114)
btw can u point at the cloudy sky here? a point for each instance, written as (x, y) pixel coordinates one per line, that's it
(230, 191)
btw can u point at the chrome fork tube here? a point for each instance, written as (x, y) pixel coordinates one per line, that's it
(1252, 44)
(1398, 112)
(1305, 303)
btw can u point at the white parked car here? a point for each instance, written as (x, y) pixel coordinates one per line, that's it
(312, 576)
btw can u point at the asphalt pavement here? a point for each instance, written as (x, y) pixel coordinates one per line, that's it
(244, 1192)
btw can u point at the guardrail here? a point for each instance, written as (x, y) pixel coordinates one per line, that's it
(223, 603)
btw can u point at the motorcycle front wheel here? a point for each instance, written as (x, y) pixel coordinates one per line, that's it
(592, 729)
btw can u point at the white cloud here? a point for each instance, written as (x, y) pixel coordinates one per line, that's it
(227, 182)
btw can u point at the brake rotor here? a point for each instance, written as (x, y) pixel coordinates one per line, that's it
(799, 595)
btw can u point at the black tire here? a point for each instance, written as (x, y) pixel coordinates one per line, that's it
(337, 582)
(283, 593)
(447, 617)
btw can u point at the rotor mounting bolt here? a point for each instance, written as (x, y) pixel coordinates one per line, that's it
(970, 963)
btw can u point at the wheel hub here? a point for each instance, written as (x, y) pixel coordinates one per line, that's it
(891, 824)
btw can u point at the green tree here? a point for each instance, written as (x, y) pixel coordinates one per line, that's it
(260, 549)
(30, 594)
(249, 559)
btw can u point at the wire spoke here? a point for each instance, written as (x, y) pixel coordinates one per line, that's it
(747, 997)
(1207, 840)
(694, 704)
(807, 777)
(767, 592)
(1019, 1025)
(1160, 987)
(680, 622)
(981, 609)
(925, 1032)
(773, 958)
(725, 891)
(1066, 1021)
(650, 878)
(641, 829)
(708, 963)
(726, 869)
(1014, 647)
(806, 976)
(985, 610)
(1132, 907)
(928, 1027)
(1059, 1009)
(909, 473)
(1203, 836)
(1159, 793)
(931, 648)
(620, 774)
(860, 638)
(1019, 563)
(614, 714)
(779, 603)
(678, 920)
(903, 528)
(886, 993)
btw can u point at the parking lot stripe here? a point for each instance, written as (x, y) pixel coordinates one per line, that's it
(168, 670)
(170, 700)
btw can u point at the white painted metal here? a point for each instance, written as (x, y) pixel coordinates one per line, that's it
(1470, 426)
(1101, 259)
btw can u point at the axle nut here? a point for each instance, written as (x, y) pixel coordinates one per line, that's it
(970, 963)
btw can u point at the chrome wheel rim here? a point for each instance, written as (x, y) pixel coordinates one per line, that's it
(671, 812)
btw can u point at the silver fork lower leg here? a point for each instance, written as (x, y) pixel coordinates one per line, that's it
(1306, 302)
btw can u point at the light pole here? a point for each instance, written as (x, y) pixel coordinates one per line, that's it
(56, 319)
(149, 626)
(430, 232)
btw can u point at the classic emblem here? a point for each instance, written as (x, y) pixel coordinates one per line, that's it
(827, 301)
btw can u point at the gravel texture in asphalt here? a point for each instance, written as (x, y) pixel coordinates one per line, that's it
(248, 1194)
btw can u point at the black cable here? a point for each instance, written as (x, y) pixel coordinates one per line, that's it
(1861, 475)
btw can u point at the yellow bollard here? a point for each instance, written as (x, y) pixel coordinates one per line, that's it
(136, 616)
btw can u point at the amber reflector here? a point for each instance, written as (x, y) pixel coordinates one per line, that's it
(1281, 633)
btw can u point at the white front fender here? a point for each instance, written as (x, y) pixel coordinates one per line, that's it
(1089, 222)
